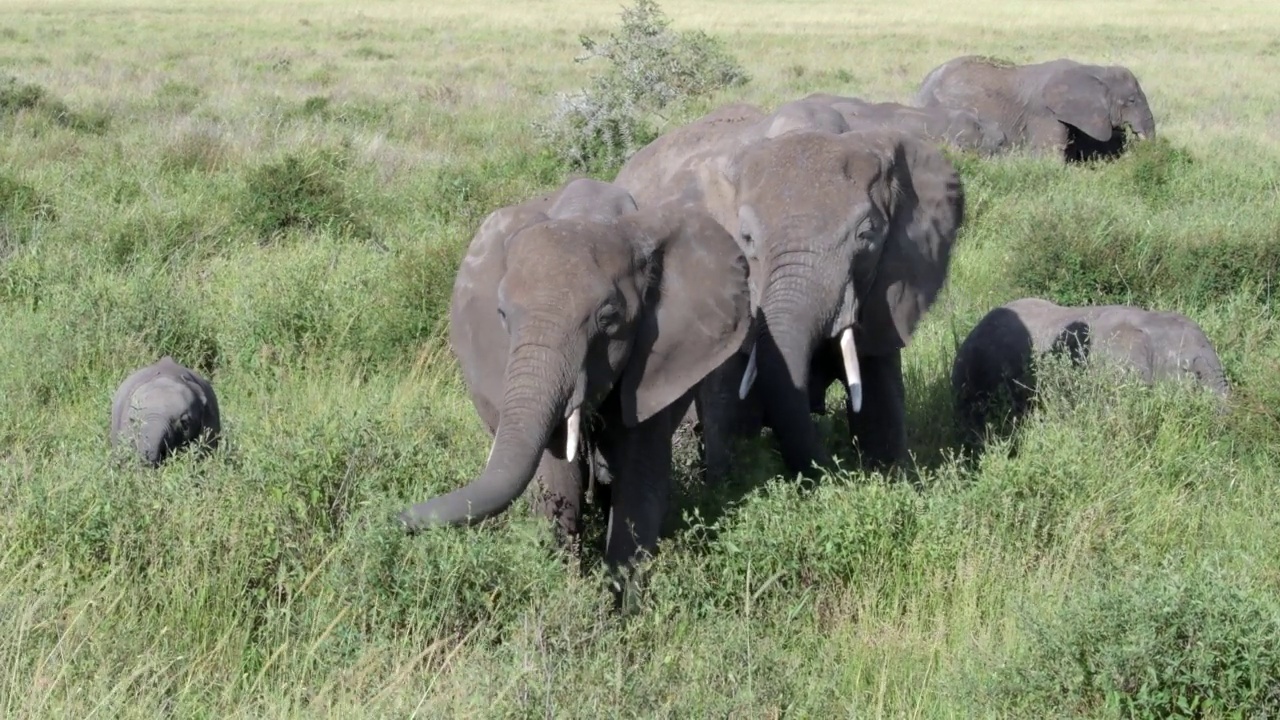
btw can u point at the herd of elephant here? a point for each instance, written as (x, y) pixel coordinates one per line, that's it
(734, 268)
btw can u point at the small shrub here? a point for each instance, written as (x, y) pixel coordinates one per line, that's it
(18, 96)
(651, 68)
(302, 190)
(1165, 643)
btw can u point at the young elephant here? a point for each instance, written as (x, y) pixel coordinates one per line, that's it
(998, 355)
(587, 331)
(849, 240)
(961, 129)
(1062, 107)
(162, 408)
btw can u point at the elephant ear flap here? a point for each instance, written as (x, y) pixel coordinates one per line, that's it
(1081, 100)
(926, 210)
(696, 308)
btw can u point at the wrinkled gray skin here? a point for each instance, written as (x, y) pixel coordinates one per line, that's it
(162, 408)
(997, 356)
(961, 129)
(841, 231)
(615, 317)
(1060, 107)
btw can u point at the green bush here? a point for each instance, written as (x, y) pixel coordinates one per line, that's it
(1090, 246)
(303, 190)
(1164, 643)
(651, 68)
(16, 96)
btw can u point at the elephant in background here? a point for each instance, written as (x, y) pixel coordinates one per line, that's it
(162, 408)
(1062, 107)
(997, 357)
(961, 129)
(848, 237)
(588, 332)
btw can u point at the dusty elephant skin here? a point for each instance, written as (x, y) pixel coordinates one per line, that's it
(1062, 107)
(996, 358)
(162, 408)
(580, 331)
(961, 129)
(849, 240)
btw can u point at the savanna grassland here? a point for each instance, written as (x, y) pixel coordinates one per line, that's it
(278, 194)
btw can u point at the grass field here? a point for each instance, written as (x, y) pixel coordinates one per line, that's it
(1125, 561)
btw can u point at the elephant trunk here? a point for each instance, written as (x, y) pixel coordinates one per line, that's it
(785, 348)
(1144, 124)
(532, 409)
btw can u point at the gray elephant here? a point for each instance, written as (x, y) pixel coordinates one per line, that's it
(803, 114)
(1061, 107)
(961, 129)
(162, 408)
(588, 332)
(849, 240)
(995, 363)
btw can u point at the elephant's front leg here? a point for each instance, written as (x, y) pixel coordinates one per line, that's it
(557, 495)
(724, 416)
(880, 428)
(641, 493)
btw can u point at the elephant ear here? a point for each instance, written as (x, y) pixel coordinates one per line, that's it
(697, 306)
(1081, 100)
(925, 200)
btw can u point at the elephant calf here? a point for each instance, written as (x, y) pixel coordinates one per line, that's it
(162, 408)
(997, 356)
(1074, 110)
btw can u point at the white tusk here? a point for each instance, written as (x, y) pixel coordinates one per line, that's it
(748, 375)
(851, 371)
(491, 448)
(571, 428)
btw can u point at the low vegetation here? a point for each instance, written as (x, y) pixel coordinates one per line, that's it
(287, 214)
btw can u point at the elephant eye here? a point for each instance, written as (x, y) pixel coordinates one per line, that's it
(502, 316)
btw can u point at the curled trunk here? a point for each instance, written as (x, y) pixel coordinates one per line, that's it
(531, 410)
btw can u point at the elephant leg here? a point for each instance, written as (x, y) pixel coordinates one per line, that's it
(880, 428)
(641, 494)
(724, 417)
(557, 495)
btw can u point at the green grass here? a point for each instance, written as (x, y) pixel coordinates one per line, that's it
(279, 195)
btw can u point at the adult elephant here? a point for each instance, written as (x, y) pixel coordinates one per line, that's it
(995, 363)
(162, 408)
(1063, 107)
(557, 320)
(961, 129)
(849, 239)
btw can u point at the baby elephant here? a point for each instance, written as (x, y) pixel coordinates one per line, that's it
(997, 353)
(163, 407)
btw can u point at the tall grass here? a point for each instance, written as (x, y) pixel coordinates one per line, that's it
(279, 195)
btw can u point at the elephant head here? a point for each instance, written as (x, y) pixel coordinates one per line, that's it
(574, 316)
(849, 238)
(162, 408)
(1096, 99)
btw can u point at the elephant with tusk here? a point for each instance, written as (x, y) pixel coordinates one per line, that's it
(997, 356)
(1074, 110)
(162, 408)
(584, 305)
(848, 236)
